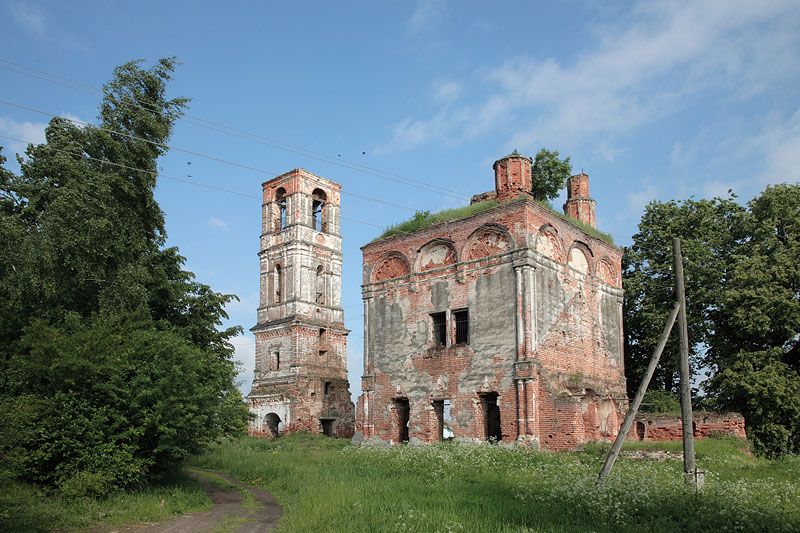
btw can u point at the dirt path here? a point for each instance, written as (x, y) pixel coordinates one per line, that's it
(236, 507)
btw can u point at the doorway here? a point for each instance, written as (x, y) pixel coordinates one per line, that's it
(491, 417)
(403, 411)
(442, 410)
(327, 426)
(272, 423)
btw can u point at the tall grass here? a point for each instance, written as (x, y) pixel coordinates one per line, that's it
(328, 485)
(26, 508)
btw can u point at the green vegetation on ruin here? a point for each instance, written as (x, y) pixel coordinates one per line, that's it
(328, 485)
(425, 219)
(584, 227)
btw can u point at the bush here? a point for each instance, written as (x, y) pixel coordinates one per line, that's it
(660, 401)
(110, 403)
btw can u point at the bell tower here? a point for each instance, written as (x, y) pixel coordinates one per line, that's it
(300, 379)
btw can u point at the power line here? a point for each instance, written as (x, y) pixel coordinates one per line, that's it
(191, 182)
(242, 134)
(191, 152)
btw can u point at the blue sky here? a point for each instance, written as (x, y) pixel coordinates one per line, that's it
(655, 100)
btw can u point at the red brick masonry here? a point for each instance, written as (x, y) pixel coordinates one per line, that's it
(668, 427)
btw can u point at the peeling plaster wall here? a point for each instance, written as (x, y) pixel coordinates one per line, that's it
(545, 330)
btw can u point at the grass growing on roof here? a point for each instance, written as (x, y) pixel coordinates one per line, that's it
(586, 228)
(424, 219)
(326, 484)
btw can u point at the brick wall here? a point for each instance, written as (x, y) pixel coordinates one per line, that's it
(545, 311)
(657, 427)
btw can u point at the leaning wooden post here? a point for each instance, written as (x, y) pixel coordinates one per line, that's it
(637, 400)
(689, 466)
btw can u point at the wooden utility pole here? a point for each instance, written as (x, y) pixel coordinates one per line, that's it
(689, 466)
(637, 400)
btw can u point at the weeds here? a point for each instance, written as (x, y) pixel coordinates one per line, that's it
(326, 484)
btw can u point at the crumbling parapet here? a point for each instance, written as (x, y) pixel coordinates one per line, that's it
(668, 427)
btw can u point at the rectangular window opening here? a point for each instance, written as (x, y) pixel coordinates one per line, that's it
(439, 321)
(461, 318)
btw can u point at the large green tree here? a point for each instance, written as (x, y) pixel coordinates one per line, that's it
(112, 363)
(743, 299)
(709, 231)
(755, 352)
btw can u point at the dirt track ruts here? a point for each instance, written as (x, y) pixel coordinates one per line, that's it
(228, 512)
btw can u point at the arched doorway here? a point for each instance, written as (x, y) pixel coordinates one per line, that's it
(272, 424)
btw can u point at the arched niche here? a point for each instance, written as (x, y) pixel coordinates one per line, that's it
(580, 257)
(548, 243)
(490, 239)
(437, 253)
(392, 265)
(606, 272)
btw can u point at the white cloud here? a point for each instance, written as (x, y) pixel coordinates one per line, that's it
(426, 15)
(446, 91)
(719, 188)
(28, 132)
(29, 16)
(639, 199)
(35, 20)
(245, 355)
(642, 68)
(779, 145)
(217, 223)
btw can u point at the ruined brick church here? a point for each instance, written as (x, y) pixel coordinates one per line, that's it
(505, 325)
(300, 379)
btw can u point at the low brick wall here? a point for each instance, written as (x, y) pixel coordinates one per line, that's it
(660, 427)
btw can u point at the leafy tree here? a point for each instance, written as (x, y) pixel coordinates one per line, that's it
(756, 350)
(743, 299)
(549, 173)
(709, 231)
(112, 365)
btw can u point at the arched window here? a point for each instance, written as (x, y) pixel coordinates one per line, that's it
(280, 200)
(318, 199)
(320, 286)
(278, 284)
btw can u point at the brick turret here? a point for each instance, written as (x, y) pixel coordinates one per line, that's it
(579, 204)
(512, 176)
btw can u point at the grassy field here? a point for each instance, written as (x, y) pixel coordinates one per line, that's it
(24, 508)
(327, 485)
